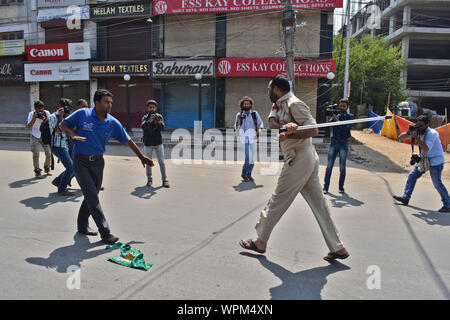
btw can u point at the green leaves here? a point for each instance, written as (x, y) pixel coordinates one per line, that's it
(374, 71)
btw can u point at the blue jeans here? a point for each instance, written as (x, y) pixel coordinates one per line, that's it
(64, 178)
(250, 153)
(335, 148)
(435, 173)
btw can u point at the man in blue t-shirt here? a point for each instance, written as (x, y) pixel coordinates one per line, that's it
(339, 144)
(431, 147)
(94, 127)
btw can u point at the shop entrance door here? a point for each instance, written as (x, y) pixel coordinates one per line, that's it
(181, 104)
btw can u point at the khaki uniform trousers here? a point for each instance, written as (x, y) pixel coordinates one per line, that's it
(34, 144)
(299, 174)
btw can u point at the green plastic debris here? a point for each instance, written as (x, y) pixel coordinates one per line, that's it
(129, 257)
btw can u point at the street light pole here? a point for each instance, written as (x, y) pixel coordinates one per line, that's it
(61, 87)
(127, 78)
(198, 76)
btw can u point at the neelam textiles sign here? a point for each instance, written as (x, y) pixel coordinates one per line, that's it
(269, 67)
(70, 71)
(183, 68)
(62, 51)
(212, 6)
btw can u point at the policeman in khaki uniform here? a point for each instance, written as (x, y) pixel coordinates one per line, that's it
(299, 173)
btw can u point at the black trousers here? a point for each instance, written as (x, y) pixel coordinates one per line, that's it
(89, 175)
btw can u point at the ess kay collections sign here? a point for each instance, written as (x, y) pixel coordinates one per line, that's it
(269, 67)
(212, 6)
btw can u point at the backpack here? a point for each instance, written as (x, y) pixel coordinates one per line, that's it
(255, 121)
(46, 136)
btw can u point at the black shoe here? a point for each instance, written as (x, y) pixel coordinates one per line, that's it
(325, 191)
(38, 173)
(47, 171)
(444, 209)
(404, 201)
(341, 190)
(110, 239)
(88, 231)
(102, 188)
(56, 184)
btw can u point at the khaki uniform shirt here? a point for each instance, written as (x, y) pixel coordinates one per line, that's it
(292, 109)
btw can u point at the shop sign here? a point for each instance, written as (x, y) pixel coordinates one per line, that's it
(101, 69)
(68, 71)
(214, 6)
(61, 51)
(269, 67)
(183, 68)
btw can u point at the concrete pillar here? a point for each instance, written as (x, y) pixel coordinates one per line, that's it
(404, 77)
(90, 35)
(391, 24)
(34, 94)
(94, 87)
(405, 47)
(406, 15)
(40, 34)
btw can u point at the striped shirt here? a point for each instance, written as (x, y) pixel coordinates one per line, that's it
(58, 139)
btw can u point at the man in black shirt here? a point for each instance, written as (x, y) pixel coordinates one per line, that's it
(153, 124)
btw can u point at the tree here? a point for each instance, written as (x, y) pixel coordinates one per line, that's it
(374, 72)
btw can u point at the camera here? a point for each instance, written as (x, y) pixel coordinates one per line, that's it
(413, 128)
(415, 158)
(158, 117)
(66, 110)
(332, 110)
(40, 114)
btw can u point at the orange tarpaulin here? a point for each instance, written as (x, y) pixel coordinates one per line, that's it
(403, 125)
(389, 130)
(444, 134)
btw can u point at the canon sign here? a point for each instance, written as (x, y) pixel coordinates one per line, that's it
(46, 53)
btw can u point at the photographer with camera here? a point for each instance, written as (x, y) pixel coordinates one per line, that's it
(431, 158)
(153, 124)
(60, 146)
(249, 124)
(339, 143)
(34, 121)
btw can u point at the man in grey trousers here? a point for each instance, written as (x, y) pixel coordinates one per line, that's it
(152, 125)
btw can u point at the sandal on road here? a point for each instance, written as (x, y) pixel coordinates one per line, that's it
(252, 246)
(333, 256)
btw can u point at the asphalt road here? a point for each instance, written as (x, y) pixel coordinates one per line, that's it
(190, 234)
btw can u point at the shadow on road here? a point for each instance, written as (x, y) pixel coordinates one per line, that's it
(62, 258)
(145, 192)
(432, 217)
(344, 200)
(41, 203)
(246, 186)
(23, 183)
(303, 285)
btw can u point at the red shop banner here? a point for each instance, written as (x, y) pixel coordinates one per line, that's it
(48, 52)
(269, 67)
(213, 6)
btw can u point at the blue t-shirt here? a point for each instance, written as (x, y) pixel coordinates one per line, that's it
(97, 134)
(342, 133)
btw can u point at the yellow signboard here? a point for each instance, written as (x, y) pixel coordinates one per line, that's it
(12, 47)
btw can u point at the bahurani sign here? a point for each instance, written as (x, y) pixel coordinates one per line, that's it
(269, 67)
(211, 6)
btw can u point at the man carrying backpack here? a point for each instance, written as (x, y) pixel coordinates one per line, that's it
(60, 146)
(34, 122)
(249, 124)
